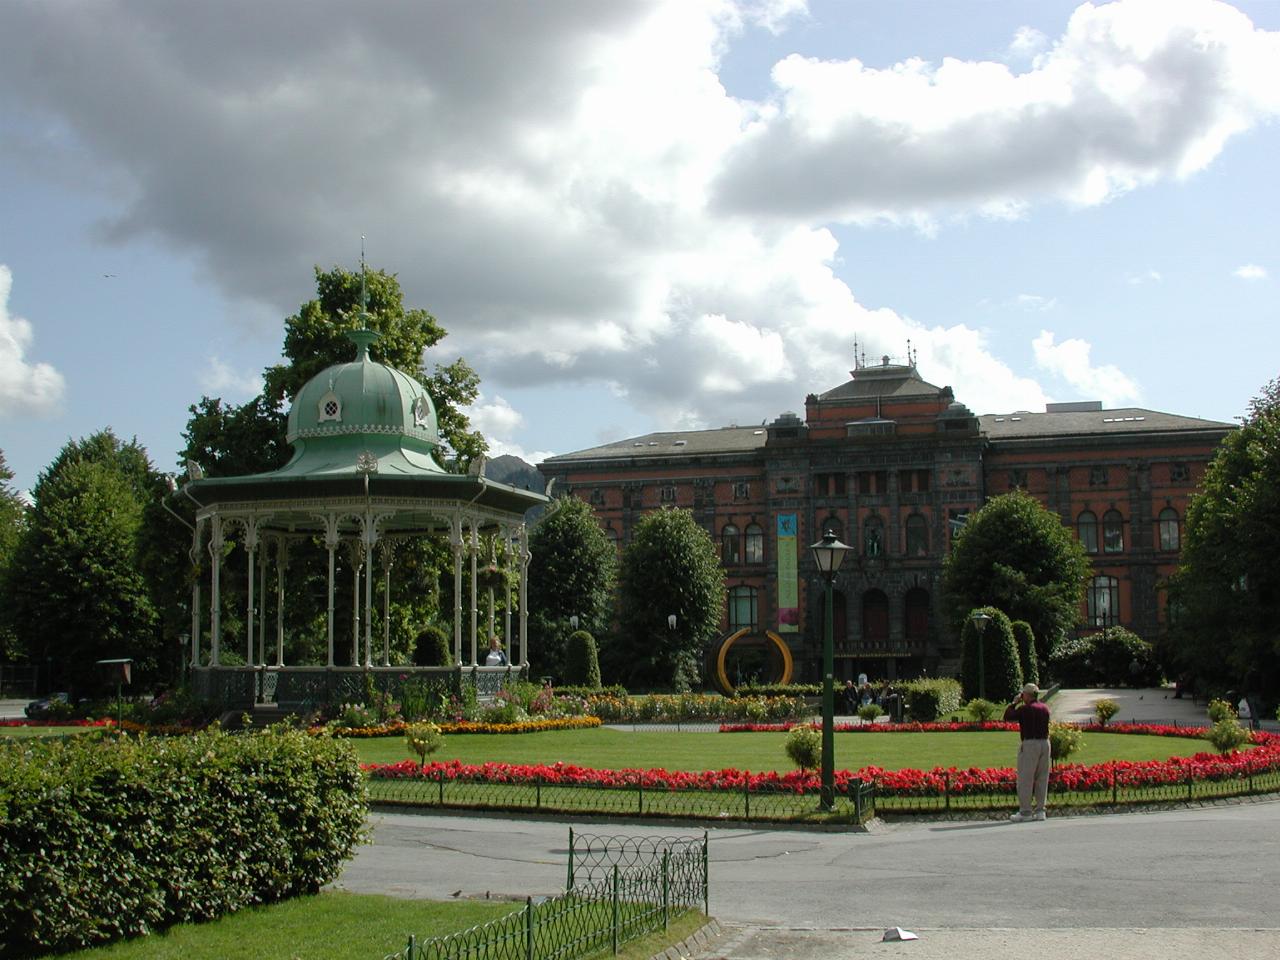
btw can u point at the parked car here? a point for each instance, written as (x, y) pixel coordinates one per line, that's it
(39, 709)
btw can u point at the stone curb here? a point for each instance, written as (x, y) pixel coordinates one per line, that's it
(692, 945)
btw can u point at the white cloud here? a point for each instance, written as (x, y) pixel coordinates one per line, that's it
(571, 190)
(1133, 92)
(219, 378)
(25, 387)
(499, 422)
(1070, 361)
(1027, 44)
(1250, 271)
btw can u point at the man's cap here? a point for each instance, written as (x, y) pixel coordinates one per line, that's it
(1030, 688)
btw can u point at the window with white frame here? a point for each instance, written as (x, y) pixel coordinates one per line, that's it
(743, 608)
(1104, 601)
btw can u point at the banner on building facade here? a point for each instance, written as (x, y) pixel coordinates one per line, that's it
(788, 584)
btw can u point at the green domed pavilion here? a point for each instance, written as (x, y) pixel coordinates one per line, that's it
(363, 478)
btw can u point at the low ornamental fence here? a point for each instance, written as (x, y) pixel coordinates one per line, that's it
(562, 789)
(859, 795)
(619, 889)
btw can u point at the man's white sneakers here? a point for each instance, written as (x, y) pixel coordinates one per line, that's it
(1026, 817)
(1039, 815)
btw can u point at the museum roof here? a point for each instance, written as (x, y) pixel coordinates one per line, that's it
(683, 443)
(1092, 423)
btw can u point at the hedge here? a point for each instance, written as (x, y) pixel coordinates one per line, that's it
(926, 700)
(113, 838)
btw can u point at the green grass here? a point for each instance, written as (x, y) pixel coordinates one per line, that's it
(330, 926)
(26, 733)
(758, 752)
(341, 926)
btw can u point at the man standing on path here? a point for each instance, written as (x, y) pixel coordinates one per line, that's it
(1032, 718)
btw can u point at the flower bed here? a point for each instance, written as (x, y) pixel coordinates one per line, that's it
(104, 722)
(914, 727)
(397, 727)
(939, 782)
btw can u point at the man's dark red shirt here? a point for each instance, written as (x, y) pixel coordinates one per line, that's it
(1032, 719)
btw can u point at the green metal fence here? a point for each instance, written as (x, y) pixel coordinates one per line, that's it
(853, 804)
(619, 889)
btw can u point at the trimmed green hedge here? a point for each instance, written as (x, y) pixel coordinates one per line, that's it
(927, 700)
(112, 838)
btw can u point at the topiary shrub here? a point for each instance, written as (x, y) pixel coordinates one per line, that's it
(1227, 735)
(1104, 709)
(431, 648)
(1025, 640)
(804, 746)
(1001, 672)
(423, 739)
(927, 700)
(581, 660)
(1220, 710)
(106, 839)
(1064, 740)
(870, 712)
(981, 710)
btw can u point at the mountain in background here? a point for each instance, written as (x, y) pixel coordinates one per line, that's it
(514, 471)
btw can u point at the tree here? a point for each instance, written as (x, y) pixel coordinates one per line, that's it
(573, 573)
(670, 567)
(1026, 641)
(998, 667)
(581, 663)
(83, 595)
(13, 516)
(1015, 555)
(1225, 597)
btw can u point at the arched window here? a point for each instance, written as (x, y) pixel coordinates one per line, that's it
(1112, 532)
(743, 610)
(755, 543)
(916, 613)
(612, 534)
(917, 536)
(729, 547)
(1169, 532)
(875, 616)
(1087, 531)
(1104, 601)
(873, 537)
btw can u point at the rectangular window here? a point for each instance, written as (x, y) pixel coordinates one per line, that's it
(741, 490)
(743, 609)
(872, 483)
(1097, 476)
(668, 493)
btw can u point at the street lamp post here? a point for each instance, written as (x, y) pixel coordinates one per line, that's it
(980, 621)
(828, 554)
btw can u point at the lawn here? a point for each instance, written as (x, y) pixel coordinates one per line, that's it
(338, 926)
(758, 752)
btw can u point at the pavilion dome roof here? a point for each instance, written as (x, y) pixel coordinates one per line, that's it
(362, 406)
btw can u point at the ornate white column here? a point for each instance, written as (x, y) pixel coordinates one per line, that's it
(331, 542)
(508, 565)
(355, 553)
(194, 555)
(282, 564)
(525, 557)
(475, 613)
(369, 536)
(456, 542)
(386, 553)
(262, 592)
(251, 552)
(215, 599)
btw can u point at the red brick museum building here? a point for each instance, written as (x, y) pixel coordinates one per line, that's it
(893, 465)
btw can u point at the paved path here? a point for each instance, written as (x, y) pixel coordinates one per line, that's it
(1192, 882)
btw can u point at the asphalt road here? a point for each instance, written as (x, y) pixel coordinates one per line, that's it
(1203, 867)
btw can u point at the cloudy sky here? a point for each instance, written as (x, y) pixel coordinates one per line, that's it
(639, 215)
